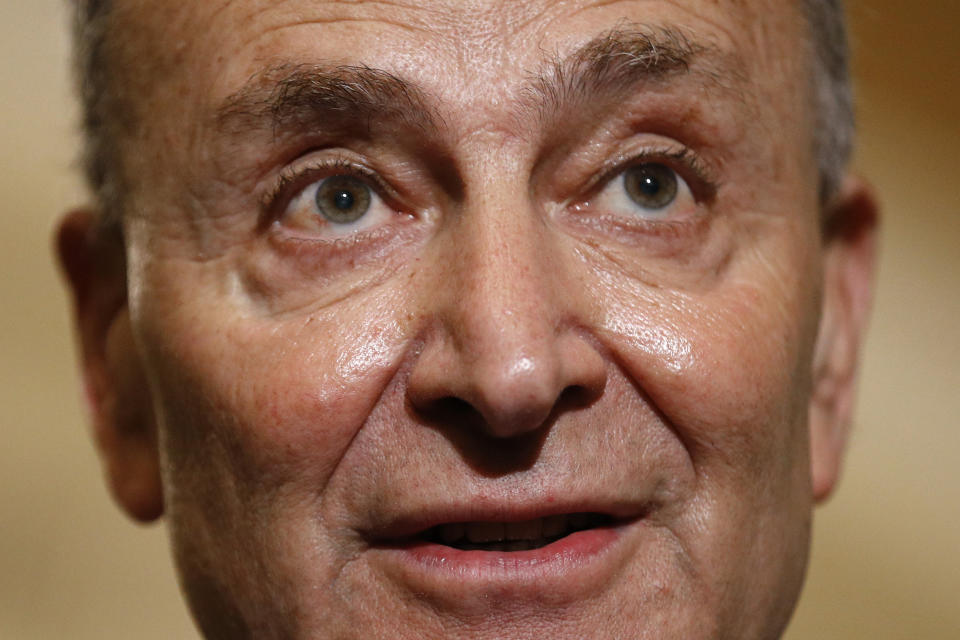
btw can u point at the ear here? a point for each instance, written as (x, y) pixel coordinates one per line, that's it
(850, 230)
(92, 258)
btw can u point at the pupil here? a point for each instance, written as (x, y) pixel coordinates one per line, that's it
(649, 185)
(343, 200)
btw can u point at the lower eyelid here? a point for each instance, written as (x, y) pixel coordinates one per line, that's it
(599, 202)
(688, 165)
(376, 215)
(310, 170)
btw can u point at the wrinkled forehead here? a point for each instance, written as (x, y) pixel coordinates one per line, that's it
(474, 52)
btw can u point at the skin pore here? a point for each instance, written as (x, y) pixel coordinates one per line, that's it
(501, 335)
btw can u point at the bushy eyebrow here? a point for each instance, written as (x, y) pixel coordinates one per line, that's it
(288, 95)
(620, 60)
(294, 96)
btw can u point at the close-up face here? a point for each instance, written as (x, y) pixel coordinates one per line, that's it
(475, 319)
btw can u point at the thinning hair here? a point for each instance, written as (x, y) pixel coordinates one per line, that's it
(101, 100)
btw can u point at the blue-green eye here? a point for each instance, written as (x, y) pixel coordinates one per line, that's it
(343, 199)
(652, 186)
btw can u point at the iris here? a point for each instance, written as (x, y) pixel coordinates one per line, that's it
(343, 199)
(651, 185)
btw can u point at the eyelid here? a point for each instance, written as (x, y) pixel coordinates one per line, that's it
(295, 178)
(684, 161)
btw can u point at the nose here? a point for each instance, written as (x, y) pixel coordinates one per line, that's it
(507, 341)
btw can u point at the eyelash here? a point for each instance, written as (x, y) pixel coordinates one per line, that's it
(295, 178)
(684, 161)
(292, 180)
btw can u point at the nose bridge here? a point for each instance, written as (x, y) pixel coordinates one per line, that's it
(505, 345)
(506, 302)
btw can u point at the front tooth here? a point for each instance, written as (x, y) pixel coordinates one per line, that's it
(554, 526)
(529, 530)
(485, 531)
(452, 532)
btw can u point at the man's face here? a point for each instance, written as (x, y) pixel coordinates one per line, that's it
(476, 319)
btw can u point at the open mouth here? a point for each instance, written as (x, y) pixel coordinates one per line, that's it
(513, 536)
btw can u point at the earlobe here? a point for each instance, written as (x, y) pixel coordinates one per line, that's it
(850, 229)
(116, 389)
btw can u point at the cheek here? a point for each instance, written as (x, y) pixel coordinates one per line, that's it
(268, 401)
(728, 372)
(255, 416)
(728, 367)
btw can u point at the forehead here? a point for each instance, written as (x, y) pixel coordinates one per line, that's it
(468, 51)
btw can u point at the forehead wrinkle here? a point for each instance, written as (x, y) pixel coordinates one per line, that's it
(288, 95)
(298, 21)
(420, 19)
(617, 61)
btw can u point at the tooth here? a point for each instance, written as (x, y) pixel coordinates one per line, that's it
(452, 532)
(529, 530)
(554, 526)
(579, 520)
(485, 531)
(519, 545)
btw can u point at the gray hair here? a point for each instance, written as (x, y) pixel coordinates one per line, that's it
(831, 90)
(99, 155)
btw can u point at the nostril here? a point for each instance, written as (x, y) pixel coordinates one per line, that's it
(451, 410)
(577, 397)
(500, 401)
(491, 419)
(500, 385)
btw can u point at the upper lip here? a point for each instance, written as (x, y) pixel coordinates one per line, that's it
(408, 522)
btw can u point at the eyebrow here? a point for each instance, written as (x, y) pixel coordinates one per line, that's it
(290, 96)
(285, 96)
(619, 60)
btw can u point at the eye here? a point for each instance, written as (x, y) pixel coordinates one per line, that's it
(647, 190)
(652, 186)
(336, 205)
(343, 199)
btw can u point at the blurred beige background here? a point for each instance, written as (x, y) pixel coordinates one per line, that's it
(885, 561)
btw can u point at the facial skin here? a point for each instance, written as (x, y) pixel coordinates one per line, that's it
(504, 335)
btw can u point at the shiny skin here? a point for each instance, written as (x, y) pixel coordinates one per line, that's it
(495, 342)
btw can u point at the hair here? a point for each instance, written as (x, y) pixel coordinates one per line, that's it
(835, 124)
(99, 155)
(100, 101)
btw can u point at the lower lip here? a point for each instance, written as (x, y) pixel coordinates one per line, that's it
(572, 564)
